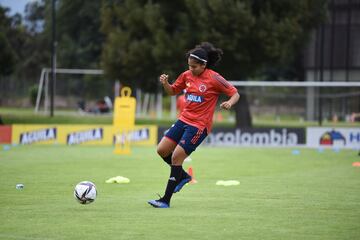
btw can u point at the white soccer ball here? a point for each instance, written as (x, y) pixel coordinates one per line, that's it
(85, 192)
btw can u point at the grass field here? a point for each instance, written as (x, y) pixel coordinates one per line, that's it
(312, 195)
(27, 116)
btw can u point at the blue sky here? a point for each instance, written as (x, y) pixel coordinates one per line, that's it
(15, 5)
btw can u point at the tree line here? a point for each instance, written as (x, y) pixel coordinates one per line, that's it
(136, 40)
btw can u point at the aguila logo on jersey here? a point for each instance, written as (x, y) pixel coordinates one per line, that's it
(202, 88)
(38, 136)
(194, 98)
(84, 136)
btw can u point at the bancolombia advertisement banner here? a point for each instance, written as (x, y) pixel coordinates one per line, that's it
(26, 134)
(267, 137)
(333, 137)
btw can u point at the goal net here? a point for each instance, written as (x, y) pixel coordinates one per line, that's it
(85, 90)
(75, 89)
(302, 101)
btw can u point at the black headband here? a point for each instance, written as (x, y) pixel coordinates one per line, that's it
(199, 54)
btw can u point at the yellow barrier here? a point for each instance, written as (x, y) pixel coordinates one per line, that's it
(124, 121)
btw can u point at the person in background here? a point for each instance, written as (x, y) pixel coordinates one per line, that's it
(180, 103)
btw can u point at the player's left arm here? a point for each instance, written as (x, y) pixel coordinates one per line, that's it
(229, 103)
(228, 89)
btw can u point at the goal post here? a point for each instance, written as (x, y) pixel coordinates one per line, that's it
(44, 82)
(147, 102)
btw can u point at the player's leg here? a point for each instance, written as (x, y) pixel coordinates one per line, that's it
(169, 141)
(179, 156)
(191, 139)
(176, 173)
(188, 143)
(165, 149)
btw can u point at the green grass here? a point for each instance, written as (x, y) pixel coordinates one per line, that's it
(281, 196)
(27, 116)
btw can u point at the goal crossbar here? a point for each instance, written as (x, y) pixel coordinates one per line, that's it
(293, 84)
(76, 71)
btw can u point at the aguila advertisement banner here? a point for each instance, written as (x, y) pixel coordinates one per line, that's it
(29, 134)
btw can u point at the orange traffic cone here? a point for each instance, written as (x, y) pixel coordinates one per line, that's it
(219, 117)
(191, 173)
(355, 164)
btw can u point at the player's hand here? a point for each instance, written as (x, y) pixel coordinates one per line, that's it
(164, 78)
(226, 105)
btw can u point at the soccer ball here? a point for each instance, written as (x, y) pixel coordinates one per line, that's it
(85, 192)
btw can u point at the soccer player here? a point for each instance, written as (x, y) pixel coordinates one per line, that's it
(203, 87)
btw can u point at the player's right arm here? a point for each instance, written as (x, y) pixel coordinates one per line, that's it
(164, 79)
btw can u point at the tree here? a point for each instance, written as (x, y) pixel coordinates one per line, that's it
(35, 52)
(255, 35)
(23, 47)
(78, 34)
(8, 56)
(144, 38)
(16, 46)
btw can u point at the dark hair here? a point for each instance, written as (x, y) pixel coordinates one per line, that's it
(205, 53)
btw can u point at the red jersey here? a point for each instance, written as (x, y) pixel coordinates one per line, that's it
(202, 93)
